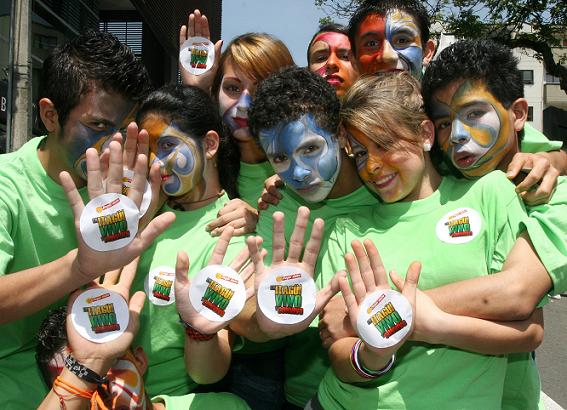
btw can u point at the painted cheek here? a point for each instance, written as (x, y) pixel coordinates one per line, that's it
(369, 63)
(413, 56)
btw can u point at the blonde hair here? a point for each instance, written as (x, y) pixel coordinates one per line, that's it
(383, 106)
(256, 55)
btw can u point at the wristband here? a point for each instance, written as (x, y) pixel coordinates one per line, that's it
(361, 370)
(83, 372)
(194, 334)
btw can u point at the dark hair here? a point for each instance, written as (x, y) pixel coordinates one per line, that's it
(51, 339)
(412, 7)
(91, 58)
(484, 60)
(288, 95)
(195, 113)
(326, 28)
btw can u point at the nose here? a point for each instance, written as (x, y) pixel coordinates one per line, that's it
(459, 134)
(373, 165)
(300, 173)
(389, 55)
(243, 104)
(332, 61)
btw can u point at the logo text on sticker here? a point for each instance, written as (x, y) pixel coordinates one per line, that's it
(226, 278)
(112, 227)
(387, 321)
(108, 205)
(288, 277)
(288, 299)
(199, 57)
(162, 288)
(217, 297)
(102, 318)
(459, 227)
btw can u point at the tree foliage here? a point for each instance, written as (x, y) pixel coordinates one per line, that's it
(539, 25)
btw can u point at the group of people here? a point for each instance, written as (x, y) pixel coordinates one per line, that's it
(373, 159)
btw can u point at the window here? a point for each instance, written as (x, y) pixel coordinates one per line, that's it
(44, 42)
(551, 79)
(530, 113)
(128, 32)
(527, 76)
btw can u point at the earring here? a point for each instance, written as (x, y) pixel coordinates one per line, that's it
(427, 146)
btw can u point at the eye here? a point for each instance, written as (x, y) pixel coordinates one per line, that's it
(403, 40)
(311, 149)
(166, 145)
(344, 56)
(371, 44)
(278, 159)
(475, 115)
(442, 125)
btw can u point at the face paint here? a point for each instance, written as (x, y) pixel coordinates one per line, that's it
(92, 123)
(389, 43)
(179, 156)
(330, 56)
(304, 155)
(473, 127)
(395, 174)
(236, 116)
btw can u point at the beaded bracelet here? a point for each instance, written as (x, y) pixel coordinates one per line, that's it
(363, 371)
(83, 372)
(194, 334)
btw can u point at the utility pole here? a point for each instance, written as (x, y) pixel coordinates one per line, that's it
(20, 126)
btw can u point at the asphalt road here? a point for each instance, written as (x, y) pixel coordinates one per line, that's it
(552, 354)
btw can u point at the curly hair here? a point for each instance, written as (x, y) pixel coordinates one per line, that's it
(51, 339)
(288, 95)
(412, 7)
(484, 60)
(195, 113)
(93, 58)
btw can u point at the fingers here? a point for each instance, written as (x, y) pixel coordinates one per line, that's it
(357, 284)
(130, 146)
(73, 196)
(191, 24)
(544, 191)
(221, 246)
(181, 271)
(298, 235)
(182, 35)
(314, 244)
(155, 228)
(278, 237)
(115, 169)
(364, 266)
(531, 180)
(325, 294)
(136, 191)
(110, 278)
(376, 264)
(204, 27)
(256, 255)
(241, 259)
(95, 187)
(135, 307)
(129, 273)
(349, 298)
(218, 52)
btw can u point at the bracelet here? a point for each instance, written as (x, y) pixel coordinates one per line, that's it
(83, 372)
(75, 391)
(361, 370)
(194, 334)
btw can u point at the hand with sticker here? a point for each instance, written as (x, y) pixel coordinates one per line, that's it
(534, 176)
(236, 214)
(286, 295)
(185, 307)
(377, 313)
(198, 27)
(270, 194)
(91, 263)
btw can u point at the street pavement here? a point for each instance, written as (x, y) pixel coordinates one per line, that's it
(552, 355)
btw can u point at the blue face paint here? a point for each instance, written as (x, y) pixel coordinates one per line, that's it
(86, 138)
(304, 155)
(236, 117)
(403, 34)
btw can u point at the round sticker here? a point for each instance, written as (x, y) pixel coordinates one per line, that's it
(384, 318)
(287, 295)
(197, 55)
(159, 286)
(128, 177)
(100, 315)
(459, 226)
(217, 292)
(109, 222)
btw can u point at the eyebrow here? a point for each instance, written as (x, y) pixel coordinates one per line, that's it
(104, 121)
(232, 78)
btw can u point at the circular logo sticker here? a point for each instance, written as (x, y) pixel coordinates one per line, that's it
(128, 177)
(159, 286)
(384, 318)
(109, 222)
(217, 292)
(459, 226)
(287, 295)
(100, 315)
(197, 55)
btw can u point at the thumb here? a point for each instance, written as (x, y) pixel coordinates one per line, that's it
(181, 271)
(135, 306)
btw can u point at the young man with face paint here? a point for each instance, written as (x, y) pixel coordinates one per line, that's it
(329, 55)
(295, 118)
(91, 86)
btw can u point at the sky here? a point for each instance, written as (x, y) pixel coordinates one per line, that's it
(294, 24)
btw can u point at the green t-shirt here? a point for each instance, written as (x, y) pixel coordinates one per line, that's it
(535, 141)
(251, 181)
(463, 230)
(303, 351)
(36, 227)
(547, 227)
(202, 401)
(161, 335)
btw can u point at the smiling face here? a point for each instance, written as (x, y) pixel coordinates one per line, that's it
(396, 174)
(389, 42)
(473, 128)
(330, 56)
(179, 156)
(304, 155)
(235, 96)
(98, 116)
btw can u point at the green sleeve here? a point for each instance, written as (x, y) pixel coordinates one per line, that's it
(202, 401)
(535, 141)
(251, 181)
(6, 241)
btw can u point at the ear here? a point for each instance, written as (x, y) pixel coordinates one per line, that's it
(48, 115)
(519, 108)
(342, 136)
(141, 359)
(211, 144)
(428, 52)
(428, 132)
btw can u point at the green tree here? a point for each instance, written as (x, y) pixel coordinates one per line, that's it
(538, 25)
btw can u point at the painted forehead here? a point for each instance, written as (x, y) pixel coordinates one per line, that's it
(392, 21)
(270, 137)
(330, 39)
(468, 93)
